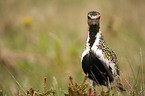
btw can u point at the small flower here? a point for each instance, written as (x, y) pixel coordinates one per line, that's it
(27, 20)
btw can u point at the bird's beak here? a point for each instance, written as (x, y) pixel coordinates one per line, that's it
(94, 22)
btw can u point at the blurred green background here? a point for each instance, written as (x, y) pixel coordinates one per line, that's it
(45, 38)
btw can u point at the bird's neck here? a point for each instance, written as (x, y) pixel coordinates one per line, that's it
(93, 31)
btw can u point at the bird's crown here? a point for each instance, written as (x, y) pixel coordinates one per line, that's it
(93, 15)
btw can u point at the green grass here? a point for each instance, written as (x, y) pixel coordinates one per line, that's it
(52, 43)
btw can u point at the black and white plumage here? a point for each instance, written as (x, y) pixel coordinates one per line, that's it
(99, 62)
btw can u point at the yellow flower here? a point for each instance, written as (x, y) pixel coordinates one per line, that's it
(27, 20)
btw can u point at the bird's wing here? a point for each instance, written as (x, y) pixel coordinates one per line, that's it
(111, 56)
(108, 54)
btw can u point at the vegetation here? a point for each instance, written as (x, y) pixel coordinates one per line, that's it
(45, 38)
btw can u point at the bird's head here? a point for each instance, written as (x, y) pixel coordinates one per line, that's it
(93, 18)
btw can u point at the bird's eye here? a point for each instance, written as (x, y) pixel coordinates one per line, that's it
(89, 17)
(98, 17)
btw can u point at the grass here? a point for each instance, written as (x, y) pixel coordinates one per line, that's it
(46, 39)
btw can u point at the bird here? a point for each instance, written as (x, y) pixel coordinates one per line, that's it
(98, 61)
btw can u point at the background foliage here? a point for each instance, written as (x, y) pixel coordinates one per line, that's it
(45, 38)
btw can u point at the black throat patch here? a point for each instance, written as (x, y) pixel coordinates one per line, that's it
(93, 30)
